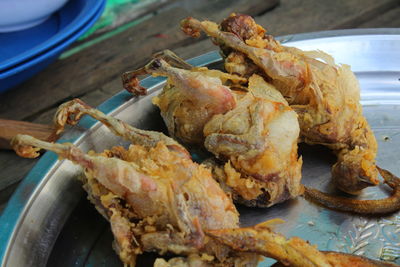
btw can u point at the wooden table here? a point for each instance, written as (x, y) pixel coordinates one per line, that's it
(93, 73)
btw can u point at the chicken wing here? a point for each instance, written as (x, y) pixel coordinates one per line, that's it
(324, 95)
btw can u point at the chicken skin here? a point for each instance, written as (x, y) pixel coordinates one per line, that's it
(324, 95)
(254, 132)
(259, 140)
(190, 98)
(154, 196)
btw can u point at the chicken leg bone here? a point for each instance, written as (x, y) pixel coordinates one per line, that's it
(71, 112)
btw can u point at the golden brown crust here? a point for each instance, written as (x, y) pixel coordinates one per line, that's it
(158, 200)
(243, 26)
(324, 95)
(258, 138)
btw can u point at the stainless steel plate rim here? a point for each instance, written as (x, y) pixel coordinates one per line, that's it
(31, 186)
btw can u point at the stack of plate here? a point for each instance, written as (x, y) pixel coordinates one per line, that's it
(24, 53)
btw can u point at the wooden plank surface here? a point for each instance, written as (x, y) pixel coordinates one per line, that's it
(297, 16)
(390, 19)
(94, 74)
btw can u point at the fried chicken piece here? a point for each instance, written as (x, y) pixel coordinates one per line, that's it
(259, 140)
(324, 95)
(157, 199)
(154, 196)
(250, 131)
(343, 260)
(154, 199)
(190, 98)
(294, 252)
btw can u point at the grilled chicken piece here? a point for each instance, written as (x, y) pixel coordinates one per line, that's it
(324, 95)
(255, 132)
(258, 138)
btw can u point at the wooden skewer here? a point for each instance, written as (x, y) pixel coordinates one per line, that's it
(10, 128)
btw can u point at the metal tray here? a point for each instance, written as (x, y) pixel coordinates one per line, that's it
(49, 221)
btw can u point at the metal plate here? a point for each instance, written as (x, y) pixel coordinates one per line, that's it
(49, 222)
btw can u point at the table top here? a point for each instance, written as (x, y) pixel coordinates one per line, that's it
(91, 70)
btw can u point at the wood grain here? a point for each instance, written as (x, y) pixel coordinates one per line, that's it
(390, 19)
(297, 16)
(89, 69)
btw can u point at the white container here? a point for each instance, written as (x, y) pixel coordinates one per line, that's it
(16, 15)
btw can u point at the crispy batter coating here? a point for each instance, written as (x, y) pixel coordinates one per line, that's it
(259, 140)
(293, 252)
(190, 98)
(252, 129)
(324, 95)
(157, 199)
(154, 196)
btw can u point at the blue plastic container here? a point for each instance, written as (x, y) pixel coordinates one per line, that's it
(44, 43)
